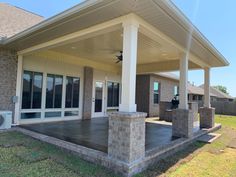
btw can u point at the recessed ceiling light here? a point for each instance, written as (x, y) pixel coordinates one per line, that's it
(164, 54)
(73, 47)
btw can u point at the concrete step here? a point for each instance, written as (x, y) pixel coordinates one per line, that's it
(209, 138)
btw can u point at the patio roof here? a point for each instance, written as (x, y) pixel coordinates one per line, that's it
(162, 16)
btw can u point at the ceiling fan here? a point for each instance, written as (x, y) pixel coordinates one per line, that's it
(119, 54)
(119, 57)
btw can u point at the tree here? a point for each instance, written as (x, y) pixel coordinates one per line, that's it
(221, 88)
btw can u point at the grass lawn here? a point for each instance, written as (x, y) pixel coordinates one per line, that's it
(22, 156)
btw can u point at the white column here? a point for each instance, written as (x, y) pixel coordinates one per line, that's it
(18, 89)
(207, 102)
(183, 91)
(130, 40)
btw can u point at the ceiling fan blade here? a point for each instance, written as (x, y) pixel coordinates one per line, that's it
(118, 61)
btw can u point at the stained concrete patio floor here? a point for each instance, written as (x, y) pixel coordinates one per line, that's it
(94, 133)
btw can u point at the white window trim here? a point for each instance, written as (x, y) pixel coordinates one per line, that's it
(43, 101)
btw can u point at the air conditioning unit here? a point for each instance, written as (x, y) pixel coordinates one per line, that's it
(5, 120)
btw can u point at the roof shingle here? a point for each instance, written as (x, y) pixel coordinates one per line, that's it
(14, 20)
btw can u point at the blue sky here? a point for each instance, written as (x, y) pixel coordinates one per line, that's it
(215, 19)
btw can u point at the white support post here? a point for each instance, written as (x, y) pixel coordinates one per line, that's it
(207, 102)
(18, 89)
(183, 97)
(130, 41)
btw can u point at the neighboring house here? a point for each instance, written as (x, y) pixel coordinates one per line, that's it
(219, 95)
(151, 89)
(195, 93)
(66, 68)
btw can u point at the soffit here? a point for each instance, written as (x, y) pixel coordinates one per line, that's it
(156, 12)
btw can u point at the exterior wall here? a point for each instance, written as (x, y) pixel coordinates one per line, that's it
(8, 73)
(166, 92)
(47, 64)
(143, 93)
(56, 66)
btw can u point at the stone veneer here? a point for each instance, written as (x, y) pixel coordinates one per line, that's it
(8, 74)
(194, 107)
(126, 141)
(165, 111)
(87, 93)
(182, 123)
(207, 117)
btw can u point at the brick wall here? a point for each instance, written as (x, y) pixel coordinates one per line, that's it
(144, 92)
(8, 73)
(166, 92)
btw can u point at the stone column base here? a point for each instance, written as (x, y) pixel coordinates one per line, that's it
(194, 107)
(182, 123)
(126, 139)
(207, 117)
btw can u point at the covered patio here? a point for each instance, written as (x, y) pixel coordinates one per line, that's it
(94, 133)
(81, 45)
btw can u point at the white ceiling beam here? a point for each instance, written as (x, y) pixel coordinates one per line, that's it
(163, 66)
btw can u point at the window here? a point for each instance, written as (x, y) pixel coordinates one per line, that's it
(31, 115)
(176, 90)
(54, 91)
(113, 94)
(71, 113)
(52, 114)
(200, 97)
(72, 92)
(32, 90)
(194, 97)
(156, 92)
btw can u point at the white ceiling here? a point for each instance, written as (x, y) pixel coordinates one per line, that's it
(105, 47)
